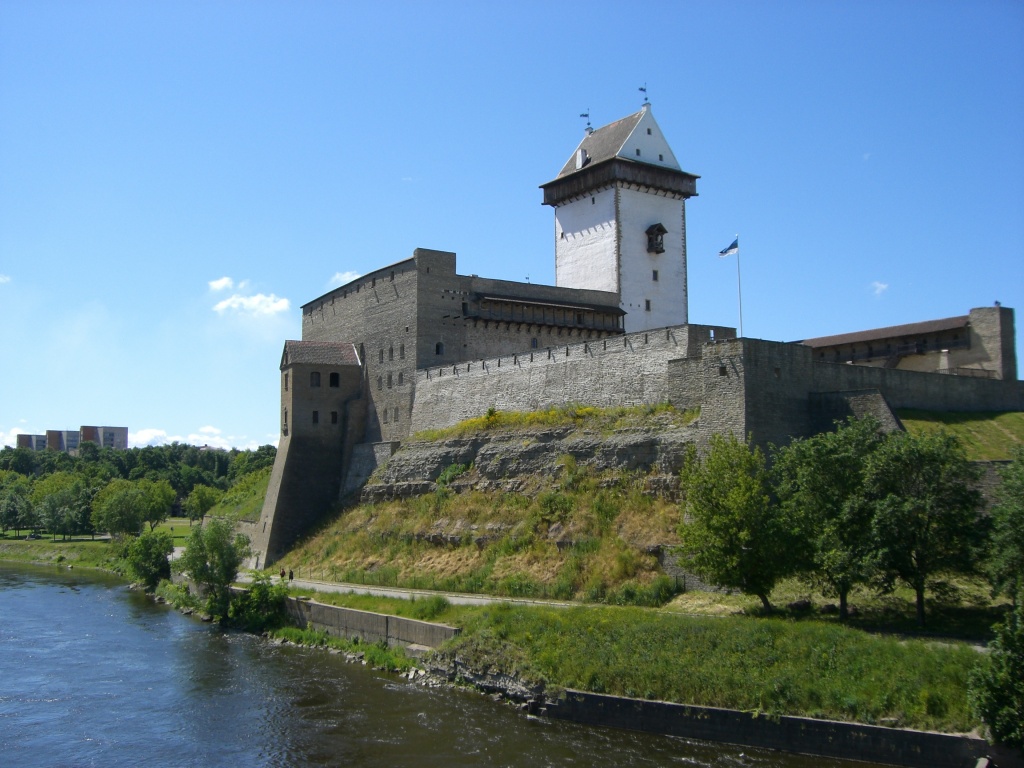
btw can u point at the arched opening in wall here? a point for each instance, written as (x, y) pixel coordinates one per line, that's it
(389, 381)
(314, 378)
(380, 382)
(382, 355)
(534, 343)
(335, 380)
(401, 378)
(334, 417)
(391, 353)
(316, 417)
(439, 348)
(284, 424)
(286, 382)
(401, 351)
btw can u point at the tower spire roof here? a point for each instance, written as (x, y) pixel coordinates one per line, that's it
(636, 137)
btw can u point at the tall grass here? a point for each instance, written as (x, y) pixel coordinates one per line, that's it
(768, 665)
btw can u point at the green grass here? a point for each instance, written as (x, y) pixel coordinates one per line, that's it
(985, 436)
(178, 528)
(766, 665)
(376, 655)
(572, 415)
(243, 502)
(80, 551)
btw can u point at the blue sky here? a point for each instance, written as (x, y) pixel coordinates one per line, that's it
(178, 178)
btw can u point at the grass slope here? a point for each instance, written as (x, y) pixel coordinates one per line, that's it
(985, 436)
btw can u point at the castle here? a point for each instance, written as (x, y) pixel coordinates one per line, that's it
(415, 345)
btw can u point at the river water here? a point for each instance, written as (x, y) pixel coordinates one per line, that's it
(93, 674)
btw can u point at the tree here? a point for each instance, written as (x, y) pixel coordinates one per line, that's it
(736, 535)
(119, 508)
(925, 521)
(158, 499)
(261, 606)
(820, 485)
(146, 557)
(202, 499)
(15, 503)
(1005, 566)
(212, 558)
(997, 684)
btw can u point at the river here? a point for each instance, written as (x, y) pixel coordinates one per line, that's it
(93, 674)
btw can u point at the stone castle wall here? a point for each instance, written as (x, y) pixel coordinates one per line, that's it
(623, 370)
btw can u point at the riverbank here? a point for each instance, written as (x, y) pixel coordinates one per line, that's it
(489, 674)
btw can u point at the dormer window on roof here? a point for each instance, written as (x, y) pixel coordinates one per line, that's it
(656, 238)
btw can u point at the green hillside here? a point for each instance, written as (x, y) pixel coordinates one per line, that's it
(985, 436)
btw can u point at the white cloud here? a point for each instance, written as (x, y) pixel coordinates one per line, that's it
(10, 438)
(207, 435)
(146, 437)
(221, 284)
(879, 288)
(257, 304)
(5, 279)
(340, 278)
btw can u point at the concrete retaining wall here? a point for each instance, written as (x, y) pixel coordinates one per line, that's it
(792, 734)
(368, 627)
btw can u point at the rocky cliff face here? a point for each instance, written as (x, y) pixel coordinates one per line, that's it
(515, 461)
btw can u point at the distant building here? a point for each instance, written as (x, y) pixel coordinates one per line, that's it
(32, 442)
(68, 441)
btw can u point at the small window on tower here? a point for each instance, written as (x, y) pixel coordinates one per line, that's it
(314, 378)
(655, 276)
(647, 304)
(334, 417)
(648, 131)
(638, 153)
(335, 379)
(316, 417)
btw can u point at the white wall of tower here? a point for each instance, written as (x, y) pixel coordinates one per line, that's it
(638, 210)
(586, 253)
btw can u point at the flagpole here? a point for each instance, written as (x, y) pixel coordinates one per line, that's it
(739, 289)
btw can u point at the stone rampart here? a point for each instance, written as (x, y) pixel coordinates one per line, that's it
(368, 627)
(624, 370)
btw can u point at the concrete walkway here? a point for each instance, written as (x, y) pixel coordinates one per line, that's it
(455, 598)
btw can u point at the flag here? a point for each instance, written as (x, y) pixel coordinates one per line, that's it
(732, 250)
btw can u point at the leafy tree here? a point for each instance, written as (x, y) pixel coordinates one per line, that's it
(997, 684)
(1006, 564)
(926, 506)
(146, 557)
(202, 499)
(15, 503)
(247, 462)
(212, 558)
(261, 606)
(158, 499)
(119, 508)
(735, 535)
(820, 485)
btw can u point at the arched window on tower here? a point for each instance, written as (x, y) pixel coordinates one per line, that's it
(439, 348)
(335, 379)
(314, 378)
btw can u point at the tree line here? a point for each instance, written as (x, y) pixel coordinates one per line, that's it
(846, 508)
(103, 490)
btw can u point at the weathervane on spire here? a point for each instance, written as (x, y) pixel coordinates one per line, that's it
(586, 114)
(643, 90)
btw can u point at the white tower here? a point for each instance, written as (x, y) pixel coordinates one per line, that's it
(620, 220)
